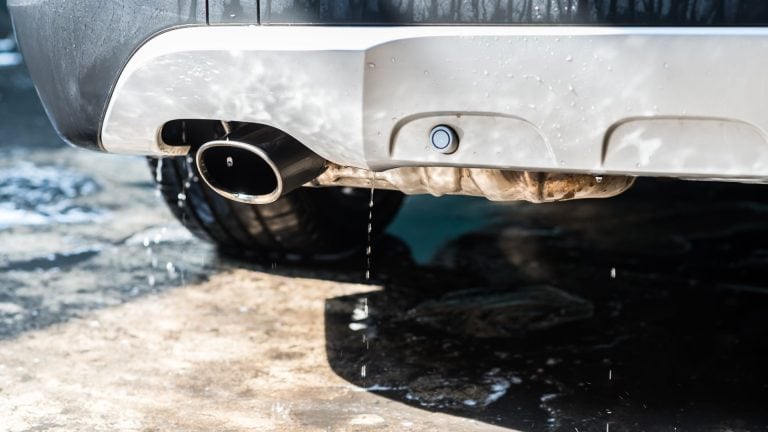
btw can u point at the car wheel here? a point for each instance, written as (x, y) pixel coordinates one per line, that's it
(308, 223)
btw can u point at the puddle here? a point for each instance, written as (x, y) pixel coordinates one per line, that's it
(500, 313)
(40, 195)
(637, 313)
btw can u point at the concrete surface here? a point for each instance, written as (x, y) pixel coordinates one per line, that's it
(645, 312)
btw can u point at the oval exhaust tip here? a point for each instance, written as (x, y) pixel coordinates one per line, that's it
(257, 165)
(240, 172)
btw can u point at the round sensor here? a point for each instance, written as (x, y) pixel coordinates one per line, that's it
(444, 139)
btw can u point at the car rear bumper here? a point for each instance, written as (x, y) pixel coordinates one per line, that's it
(682, 102)
(75, 50)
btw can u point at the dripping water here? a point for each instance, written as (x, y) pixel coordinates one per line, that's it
(182, 196)
(368, 248)
(159, 171)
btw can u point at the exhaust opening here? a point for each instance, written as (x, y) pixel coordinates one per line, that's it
(257, 164)
(240, 171)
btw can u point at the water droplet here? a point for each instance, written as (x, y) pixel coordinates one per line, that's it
(230, 162)
(151, 280)
(599, 179)
(171, 269)
(393, 60)
(371, 65)
(613, 272)
(569, 59)
(159, 171)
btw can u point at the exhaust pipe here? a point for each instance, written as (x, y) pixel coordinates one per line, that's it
(257, 164)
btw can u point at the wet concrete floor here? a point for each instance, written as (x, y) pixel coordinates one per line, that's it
(644, 312)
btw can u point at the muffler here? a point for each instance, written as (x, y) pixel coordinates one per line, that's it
(256, 164)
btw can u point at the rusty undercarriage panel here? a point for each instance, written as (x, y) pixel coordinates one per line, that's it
(494, 184)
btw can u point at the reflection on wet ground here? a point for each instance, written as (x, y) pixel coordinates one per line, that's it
(644, 312)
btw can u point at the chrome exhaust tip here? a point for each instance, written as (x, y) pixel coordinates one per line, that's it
(257, 164)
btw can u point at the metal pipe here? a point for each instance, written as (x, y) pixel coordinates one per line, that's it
(256, 164)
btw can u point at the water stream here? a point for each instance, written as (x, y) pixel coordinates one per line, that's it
(368, 248)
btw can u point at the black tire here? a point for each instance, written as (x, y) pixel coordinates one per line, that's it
(308, 223)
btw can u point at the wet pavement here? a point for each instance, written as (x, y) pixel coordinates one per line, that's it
(643, 312)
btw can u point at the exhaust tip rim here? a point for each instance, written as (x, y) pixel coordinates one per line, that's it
(240, 197)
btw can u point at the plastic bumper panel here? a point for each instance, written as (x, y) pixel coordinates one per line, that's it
(667, 101)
